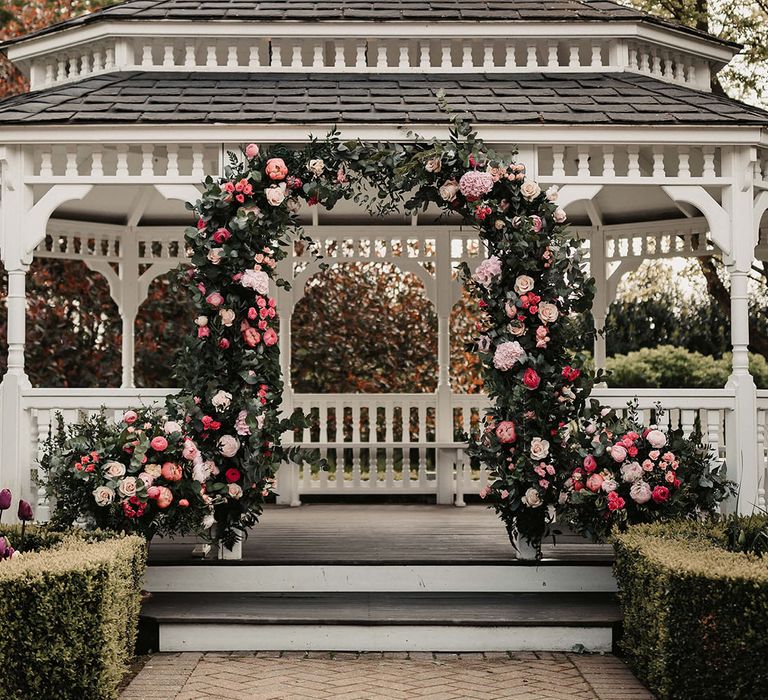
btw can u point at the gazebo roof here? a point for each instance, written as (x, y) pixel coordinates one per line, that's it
(371, 11)
(536, 98)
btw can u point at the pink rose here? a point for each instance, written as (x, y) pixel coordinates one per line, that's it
(536, 223)
(660, 494)
(222, 235)
(159, 444)
(251, 151)
(270, 337)
(595, 482)
(130, 417)
(590, 464)
(215, 299)
(505, 432)
(656, 439)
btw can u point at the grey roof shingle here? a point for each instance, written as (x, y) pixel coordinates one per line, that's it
(370, 11)
(239, 98)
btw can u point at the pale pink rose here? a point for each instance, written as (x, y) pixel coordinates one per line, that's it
(147, 479)
(669, 457)
(541, 337)
(215, 299)
(201, 321)
(214, 255)
(448, 190)
(235, 491)
(103, 495)
(539, 448)
(221, 400)
(228, 445)
(251, 150)
(553, 193)
(474, 184)
(275, 194)
(154, 470)
(640, 492)
(504, 494)
(171, 427)
(127, 487)
(488, 271)
(656, 438)
(631, 472)
(647, 465)
(190, 451)
(530, 190)
(516, 328)
(595, 482)
(654, 454)
(316, 166)
(670, 477)
(548, 312)
(618, 453)
(113, 470)
(433, 165)
(507, 355)
(524, 284)
(532, 498)
(559, 216)
(536, 223)
(130, 417)
(227, 317)
(256, 280)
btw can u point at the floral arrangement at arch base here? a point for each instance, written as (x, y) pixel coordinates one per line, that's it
(224, 447)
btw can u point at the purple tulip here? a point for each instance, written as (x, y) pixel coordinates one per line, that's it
(25, 511)
(5, 499)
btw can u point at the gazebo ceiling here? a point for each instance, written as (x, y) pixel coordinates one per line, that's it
(535, 98)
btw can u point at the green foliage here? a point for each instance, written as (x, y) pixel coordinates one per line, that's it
(668, 367)
(695, 613)
(69, 617)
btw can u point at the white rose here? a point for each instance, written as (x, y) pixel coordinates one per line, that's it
(530, 190)
(154, 470)
(548, 312)
(227, 317)
(221, 400)
(228, 445)
(276, 194)
(532, 498)
(433, 165)
(448, 190)
(559, 216)
(214, 255)
(256, 280)
(294, 205)
(103, 495)
(316, 166)
(657, 439)
(516, 328)
(171, 426)
(201, 321)
(539, 448)
(524, 284)
(553, 193)
(127, 487)
(113, 470)
(235, 491)
(208, 522)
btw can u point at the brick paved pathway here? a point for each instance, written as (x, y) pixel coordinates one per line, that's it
(317, 676)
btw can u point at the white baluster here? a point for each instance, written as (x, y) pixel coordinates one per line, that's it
(61, 71)
(254, 60)
(147, 160)
(608, 166)
(233, 61)
(109, 61)
(147, 61)
(172, 169)
(488, 61)
(446, 60)
(583, 163)
(679, 70)
(46, 162)
(71, 168)
(168, 58)
(533, 59)
(558, 161)
(708, 153)
(74, 66)
(198, 167)
(361, 59)
(381, 56)
(466, 56)
(85, 64)
(339, 59)
(510, 60)
(405, 58)
(633, 65)
(574, 56)
(658, 162)
(645, 62)
(296, 59)
(668, 72)
(684, 167)
(597, 56)
(318, 56)
(633, 153)
(190, 56)
(49, 75)
(552, 59)
(656, 68)
(97, 165)
(211, 57)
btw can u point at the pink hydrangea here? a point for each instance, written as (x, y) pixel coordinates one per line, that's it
(507, 355)
(488, 271)
(475, 184)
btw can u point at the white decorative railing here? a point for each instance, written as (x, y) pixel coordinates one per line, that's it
(762, 446)
(378, 55)
(387, 443)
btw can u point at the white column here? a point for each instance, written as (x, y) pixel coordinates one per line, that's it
(15, 233)
(128, 299)
(444, 411)
(741, 431)
(599, 271)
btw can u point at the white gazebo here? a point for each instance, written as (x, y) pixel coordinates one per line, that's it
(132, 106)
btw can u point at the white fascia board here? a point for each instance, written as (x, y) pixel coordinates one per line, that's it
(69, 38)
(599, 134)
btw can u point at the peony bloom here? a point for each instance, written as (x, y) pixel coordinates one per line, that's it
(103, 495)
(275, 194)
(524, 284)
(276, 169)
(532, 498)
(130, 417)
(164, 497)
(215, 299)
(595, 482)
(507, 355)
(610, 485)
(631, 472)
(488, 271)
(531, 379)
(618, 453)
(190, 451)
(113, 470)
(228, 445)
(474, 184)
(171, 427)
(448, 190)
(530, 190)
(171, 472)
(505, 432)
(656, 439)
(539, 448)
(201, 471)
(221, 400)
(256, 280)
(548, 312)
(154, 470)
(159, 444)
(660, 494)
(227, 317)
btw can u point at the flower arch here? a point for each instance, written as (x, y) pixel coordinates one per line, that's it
(531, 282)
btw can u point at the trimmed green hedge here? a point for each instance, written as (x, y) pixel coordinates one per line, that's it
(695, 614)
(69, 616)
(669, 367)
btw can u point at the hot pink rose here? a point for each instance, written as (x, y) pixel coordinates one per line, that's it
(222, 235)
(276, 169)
(159, 444)
(660, 494)
(590, 464)
(531, 378)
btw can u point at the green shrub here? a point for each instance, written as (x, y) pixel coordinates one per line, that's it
(695, 614)
(69, 617)
(669, 367)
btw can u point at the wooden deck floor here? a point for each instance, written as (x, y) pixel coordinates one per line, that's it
(382, 534)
